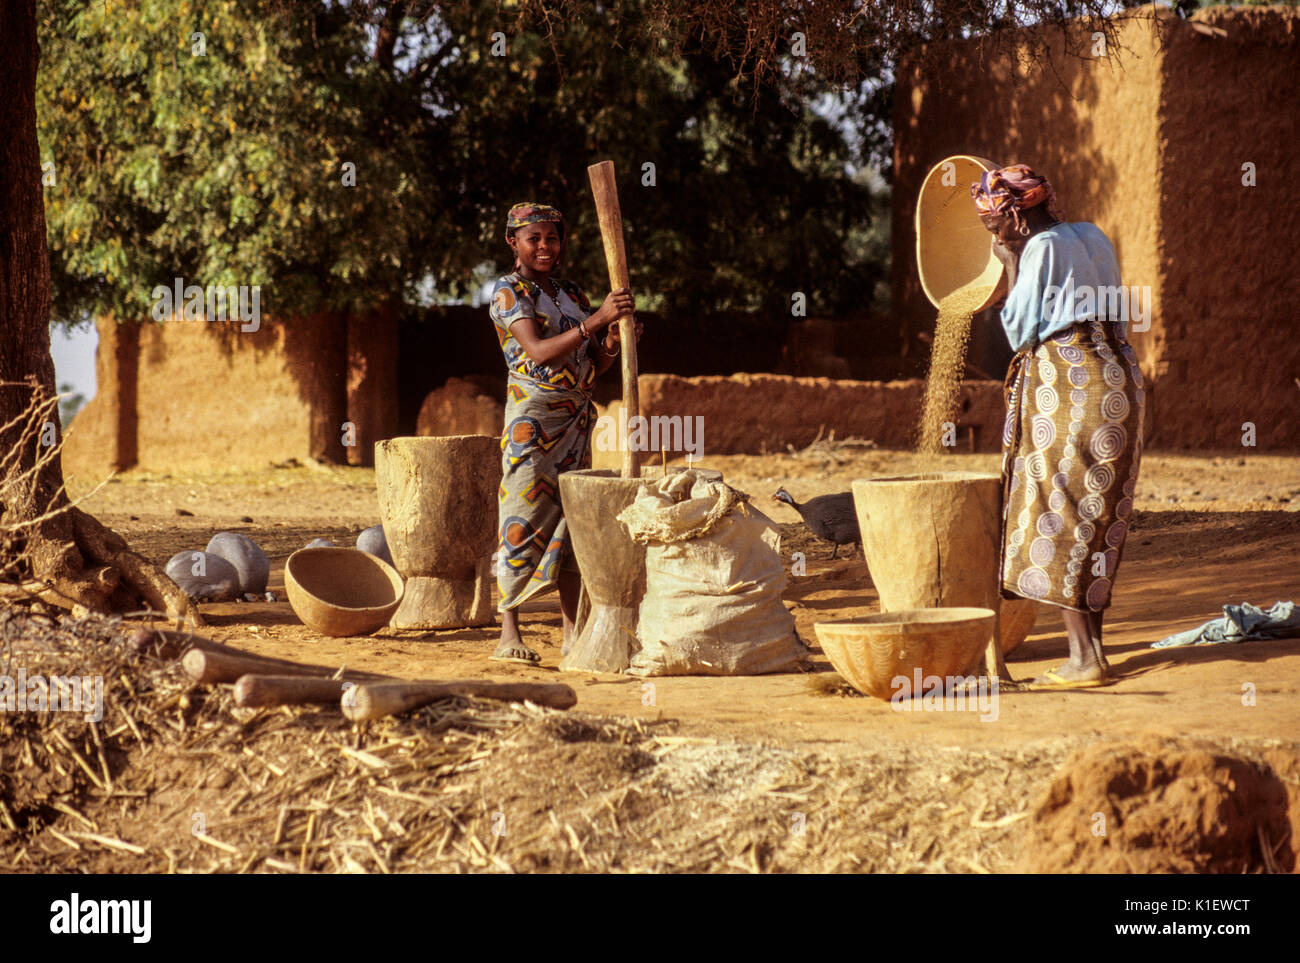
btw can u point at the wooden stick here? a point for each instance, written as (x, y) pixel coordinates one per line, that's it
(289, 690)
(605, 190)
(213, 667)
(170, 644)
(373, 700)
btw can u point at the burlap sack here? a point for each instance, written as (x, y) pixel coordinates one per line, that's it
(714, 579)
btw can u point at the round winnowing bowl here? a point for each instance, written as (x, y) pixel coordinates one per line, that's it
(871, 651)
(954, 250)
(342, 591)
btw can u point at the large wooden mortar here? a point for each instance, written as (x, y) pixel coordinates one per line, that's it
(438, 500)
(612, 566)
(932, 540)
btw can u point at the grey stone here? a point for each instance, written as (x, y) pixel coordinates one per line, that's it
(372, 540)
(250, 561)
(204, 577)
(320, 543)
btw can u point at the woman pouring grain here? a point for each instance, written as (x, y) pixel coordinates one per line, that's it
(1073, 437)
(554, 345)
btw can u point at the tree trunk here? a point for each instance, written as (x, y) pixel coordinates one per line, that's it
(43, 556)
(25, 299)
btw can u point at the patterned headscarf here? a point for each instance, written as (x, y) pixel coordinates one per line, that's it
(530, 213)
(1010, 190)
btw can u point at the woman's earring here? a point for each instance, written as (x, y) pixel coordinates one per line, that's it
(1024, 229)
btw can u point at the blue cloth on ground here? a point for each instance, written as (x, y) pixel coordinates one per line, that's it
(1240, 623)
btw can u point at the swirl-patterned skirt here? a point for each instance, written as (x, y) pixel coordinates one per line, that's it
(1072, 445)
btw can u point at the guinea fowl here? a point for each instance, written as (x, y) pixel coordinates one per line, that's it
(831, 517)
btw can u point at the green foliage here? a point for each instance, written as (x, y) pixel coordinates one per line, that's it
(751, 200)
(225, 168)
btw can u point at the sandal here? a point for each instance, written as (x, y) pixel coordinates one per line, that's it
(1051, 679)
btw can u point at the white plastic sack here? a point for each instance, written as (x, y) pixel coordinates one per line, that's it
(714, 579)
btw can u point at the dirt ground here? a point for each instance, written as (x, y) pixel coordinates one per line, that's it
(1208, 531)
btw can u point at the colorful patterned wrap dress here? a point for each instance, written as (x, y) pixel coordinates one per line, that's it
(548, 422)
(1072, 442)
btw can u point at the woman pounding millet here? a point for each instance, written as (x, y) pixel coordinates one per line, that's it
(554, 349)
(1073, 437)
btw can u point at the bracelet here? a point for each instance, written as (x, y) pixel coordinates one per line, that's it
(582, 330)
(607, 352)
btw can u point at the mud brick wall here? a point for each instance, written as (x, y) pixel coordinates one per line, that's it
(194, 395)
(1230, 267)
(752, 413)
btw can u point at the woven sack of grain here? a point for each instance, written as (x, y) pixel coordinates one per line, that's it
(714, 578)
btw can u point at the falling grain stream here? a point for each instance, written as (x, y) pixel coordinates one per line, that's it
(948, 364)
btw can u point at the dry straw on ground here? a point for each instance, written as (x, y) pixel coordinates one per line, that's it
(176, 778)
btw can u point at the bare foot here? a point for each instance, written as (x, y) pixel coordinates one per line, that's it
(1100, 656)
(512, 648)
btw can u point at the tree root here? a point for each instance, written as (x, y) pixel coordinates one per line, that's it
(105, 547)
(50, 550)
(81, 595)
(115, 580)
